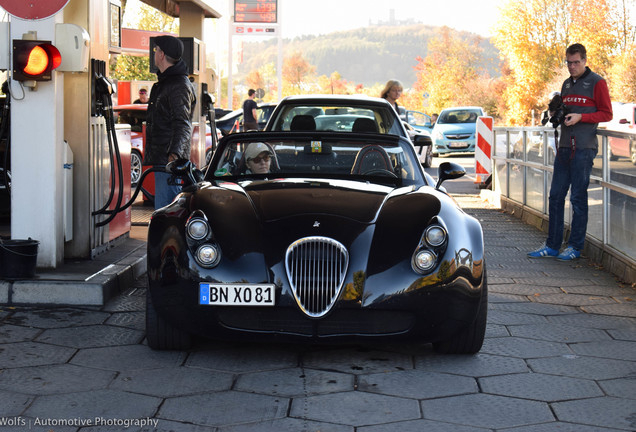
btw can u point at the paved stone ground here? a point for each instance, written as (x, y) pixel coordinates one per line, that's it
(560, 355)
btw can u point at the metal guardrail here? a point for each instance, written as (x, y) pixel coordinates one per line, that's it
(523, 159)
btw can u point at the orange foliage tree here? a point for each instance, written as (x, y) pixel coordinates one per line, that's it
(297, 74)
(533, 35)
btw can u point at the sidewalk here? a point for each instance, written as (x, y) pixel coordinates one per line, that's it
(559, 355)
(86, 282)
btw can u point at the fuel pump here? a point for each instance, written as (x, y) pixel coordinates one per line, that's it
(5, 144)
(102, 106)
(103, 90)
(207, 109)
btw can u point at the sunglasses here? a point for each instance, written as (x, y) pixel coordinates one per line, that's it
(259, 159)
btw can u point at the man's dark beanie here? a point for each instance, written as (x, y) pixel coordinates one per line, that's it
(170, 45)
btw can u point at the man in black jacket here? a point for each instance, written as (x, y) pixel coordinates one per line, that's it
(169, 117)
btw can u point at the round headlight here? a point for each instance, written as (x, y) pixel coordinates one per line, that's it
(208, 255)
(197, 229)
(424, 260)
(435, 235)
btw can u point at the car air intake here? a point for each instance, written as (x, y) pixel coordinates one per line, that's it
(316, 268)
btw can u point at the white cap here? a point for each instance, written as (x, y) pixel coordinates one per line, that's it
(254, 149)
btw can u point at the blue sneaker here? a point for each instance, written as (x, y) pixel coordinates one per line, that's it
(569, 254)
(543, 252)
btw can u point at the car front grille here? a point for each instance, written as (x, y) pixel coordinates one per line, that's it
(316, 268)
(458, 136)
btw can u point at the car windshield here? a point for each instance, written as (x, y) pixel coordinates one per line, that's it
(134, 118)
(337, 118)
(459, 116)
(331, 156)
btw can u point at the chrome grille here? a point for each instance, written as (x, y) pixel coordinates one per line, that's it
(316, 268)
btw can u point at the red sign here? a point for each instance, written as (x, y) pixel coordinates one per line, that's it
(33, 9)
(256, 11)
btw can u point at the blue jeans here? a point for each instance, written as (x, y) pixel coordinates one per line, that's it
(164, 193)
(571, 171)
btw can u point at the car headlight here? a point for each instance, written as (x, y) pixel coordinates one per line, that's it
(197, 229)
(424, 260)
(438, 135)
(208, 255)
(435, 235)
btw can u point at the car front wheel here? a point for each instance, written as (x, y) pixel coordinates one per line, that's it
(162, 335)
(135, 167)
(428, 157)
(469, 340)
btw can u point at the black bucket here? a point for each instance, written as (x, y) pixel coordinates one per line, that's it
(18, 258)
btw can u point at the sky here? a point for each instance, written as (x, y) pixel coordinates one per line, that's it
(313, 17)
(300, 17)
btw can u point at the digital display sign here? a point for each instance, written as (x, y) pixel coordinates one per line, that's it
(256, 11)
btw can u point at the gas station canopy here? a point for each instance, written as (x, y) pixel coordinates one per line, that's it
(171, 7)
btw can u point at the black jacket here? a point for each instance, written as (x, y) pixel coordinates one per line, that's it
(169, 117)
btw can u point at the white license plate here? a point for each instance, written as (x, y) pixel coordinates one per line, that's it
(458, 145)
(236, 294)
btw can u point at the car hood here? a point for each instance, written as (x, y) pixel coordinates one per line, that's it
(277, 212)
(452, 128)
(272, 200)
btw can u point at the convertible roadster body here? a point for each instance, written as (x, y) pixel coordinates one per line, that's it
(344, 238)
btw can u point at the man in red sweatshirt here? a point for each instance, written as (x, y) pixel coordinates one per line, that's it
(587, 103)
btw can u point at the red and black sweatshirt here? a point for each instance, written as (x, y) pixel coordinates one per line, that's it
(589, 96)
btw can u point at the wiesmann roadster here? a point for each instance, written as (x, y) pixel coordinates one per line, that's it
(316, 236)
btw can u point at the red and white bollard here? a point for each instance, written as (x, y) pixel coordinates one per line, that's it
(483, 150)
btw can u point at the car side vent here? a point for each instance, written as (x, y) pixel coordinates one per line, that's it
(316, 268)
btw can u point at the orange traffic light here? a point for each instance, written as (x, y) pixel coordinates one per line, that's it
(33, 60)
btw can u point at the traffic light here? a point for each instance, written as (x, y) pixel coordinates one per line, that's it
(33, 60)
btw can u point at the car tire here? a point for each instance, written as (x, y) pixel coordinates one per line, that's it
(160, 334)
(428, 157)
(612, 156)
(136, 167)
(469, 340)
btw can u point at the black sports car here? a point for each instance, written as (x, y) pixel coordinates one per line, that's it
(317, 236)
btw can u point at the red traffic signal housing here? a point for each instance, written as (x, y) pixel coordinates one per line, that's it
(33, 60)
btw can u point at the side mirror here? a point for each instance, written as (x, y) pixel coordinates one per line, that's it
(422, 140)
(449, 171)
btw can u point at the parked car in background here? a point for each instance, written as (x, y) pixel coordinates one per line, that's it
(227, 123)
(318, 236)
(336, 113)
(419, 120)
(135, 116)
(455, 130)
(624, 121)
(415, 134)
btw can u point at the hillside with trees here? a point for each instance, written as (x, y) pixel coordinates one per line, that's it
(367, 56)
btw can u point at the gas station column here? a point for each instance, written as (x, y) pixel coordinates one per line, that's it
(37, 149)
(191, 19)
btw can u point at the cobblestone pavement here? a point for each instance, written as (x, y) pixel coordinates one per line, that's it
(560, 355)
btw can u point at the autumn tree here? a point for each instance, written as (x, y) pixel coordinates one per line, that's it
(623, 77)
(333, 84)
(296, 72)
(254, 80)
(449, 72)
(533, 35)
